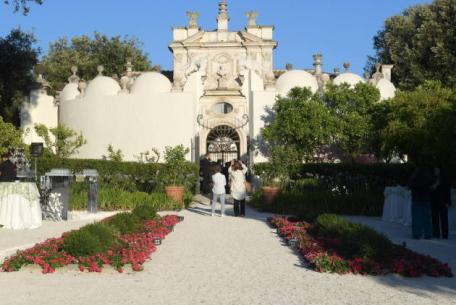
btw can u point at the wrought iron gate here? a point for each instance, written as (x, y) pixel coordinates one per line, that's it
(223, 143)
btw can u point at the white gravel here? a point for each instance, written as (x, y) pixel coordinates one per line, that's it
(214, 260)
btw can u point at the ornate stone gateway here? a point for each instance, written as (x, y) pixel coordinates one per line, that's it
(223, 143)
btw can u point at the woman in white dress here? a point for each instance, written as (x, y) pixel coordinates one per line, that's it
(237, 173)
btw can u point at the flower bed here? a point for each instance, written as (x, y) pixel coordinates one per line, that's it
(335, 245)
(131, 248)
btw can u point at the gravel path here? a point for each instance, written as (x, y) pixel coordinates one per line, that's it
(214, 260)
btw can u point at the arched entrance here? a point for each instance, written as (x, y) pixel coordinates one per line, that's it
(223, 143)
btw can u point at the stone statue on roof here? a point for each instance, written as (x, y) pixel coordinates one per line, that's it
(193, 19)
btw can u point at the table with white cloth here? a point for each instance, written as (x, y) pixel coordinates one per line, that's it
(20, 205)
(397, 207)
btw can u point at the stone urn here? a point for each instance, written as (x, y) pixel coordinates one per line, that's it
(175, 193)
(270, 193)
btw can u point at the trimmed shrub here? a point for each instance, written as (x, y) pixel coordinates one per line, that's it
(125, 223)
(354, 240)
(145, 212)
(90, 240)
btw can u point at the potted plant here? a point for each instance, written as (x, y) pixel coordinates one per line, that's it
(272, 182)
(275, 175)
(174, 173)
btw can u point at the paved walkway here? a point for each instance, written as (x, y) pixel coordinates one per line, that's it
(214, 260)
(442, 249)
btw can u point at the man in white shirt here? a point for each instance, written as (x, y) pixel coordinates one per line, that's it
(218, 190)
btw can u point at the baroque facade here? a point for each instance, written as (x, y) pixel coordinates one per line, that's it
(222, 86)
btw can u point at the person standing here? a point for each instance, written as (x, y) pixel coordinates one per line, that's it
(422, 183)
(7, 169)
(237, 173)
(205, 173)
(225, 172)
(441, 200)
(218, 190)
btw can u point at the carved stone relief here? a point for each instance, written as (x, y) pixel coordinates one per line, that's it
(222, 73)
(179, 70)
(268, 74)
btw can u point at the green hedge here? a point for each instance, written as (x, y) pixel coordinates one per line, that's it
(122, 185)
(128, 176)
(349, 189)
(349, 177)
(308, 204)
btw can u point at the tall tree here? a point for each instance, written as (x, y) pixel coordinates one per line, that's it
(351, 108)
(377, 145)
(18, 56)
(421, 43)
(87, 53)
(301, 125)
(421, 124)
(22, 5)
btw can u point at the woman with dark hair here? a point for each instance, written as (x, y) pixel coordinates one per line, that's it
(237, 173)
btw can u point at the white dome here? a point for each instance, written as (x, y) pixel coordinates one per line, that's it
(69, 92)
(386, 88)
(296, 78)
(348, 78)
(151, 82)
(102, 85)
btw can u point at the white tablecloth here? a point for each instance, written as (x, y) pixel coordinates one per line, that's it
(20, 206)
(398, 207)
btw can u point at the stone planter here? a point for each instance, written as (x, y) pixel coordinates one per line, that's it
(176, 193)
(270, 194)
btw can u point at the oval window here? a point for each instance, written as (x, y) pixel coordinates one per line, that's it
(222, 108)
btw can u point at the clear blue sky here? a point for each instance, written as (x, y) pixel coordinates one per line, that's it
(340, 30)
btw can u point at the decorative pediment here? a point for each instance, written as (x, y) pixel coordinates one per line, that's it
(205, 37)
(198, 37)
(247, 37)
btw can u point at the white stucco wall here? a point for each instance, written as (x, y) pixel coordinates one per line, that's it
(261, 101)
(38, 109)
(131, 123)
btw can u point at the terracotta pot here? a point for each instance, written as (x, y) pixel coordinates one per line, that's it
(176, 193)
(270, 193)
